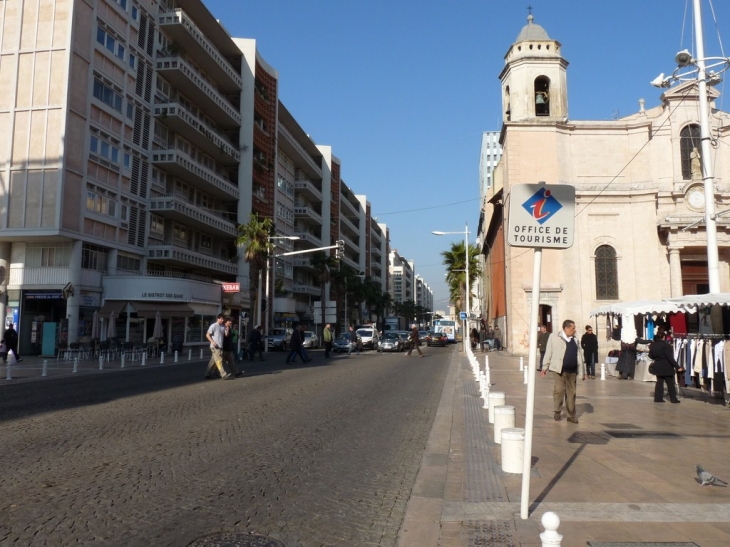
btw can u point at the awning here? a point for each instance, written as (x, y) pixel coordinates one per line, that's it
(205, 309)
(691, 301)
(640, 307)
(166, 309)
(116, 306)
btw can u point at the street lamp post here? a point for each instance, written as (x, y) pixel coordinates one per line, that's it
(466, 270)
(270, 296)
(698, 69)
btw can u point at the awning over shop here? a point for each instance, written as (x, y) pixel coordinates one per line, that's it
(205, 309)
(641, 307)
(116, 306)
(166, 309)
(692, 301)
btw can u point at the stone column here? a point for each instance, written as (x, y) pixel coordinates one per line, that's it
(4, 278)
(675, 272)
(111, 262)
(73, 303)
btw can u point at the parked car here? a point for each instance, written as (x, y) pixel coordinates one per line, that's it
(369, 337)
(422, 334)
(311, 340)
(279, 339)
(405, 336)
(437, 339)
(390, 342)
(342, 343)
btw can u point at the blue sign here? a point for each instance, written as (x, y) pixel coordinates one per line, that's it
(462, 315)
(542, 205)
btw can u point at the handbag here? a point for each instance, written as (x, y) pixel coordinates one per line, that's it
(652, 368)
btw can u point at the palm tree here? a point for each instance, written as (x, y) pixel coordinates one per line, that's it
(254, 236)
(455, 262)
(323, 264)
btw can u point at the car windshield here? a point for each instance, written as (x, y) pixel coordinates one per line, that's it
(278, 332)
(365, 332)
(390, 336)
(344, 336)
(308, 334)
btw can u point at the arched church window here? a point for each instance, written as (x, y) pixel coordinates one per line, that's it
(689, 146)
(606, 273)
(542, 96)
(508, 107)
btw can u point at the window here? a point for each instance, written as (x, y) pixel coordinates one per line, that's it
(689, 139)
(129, 263)
(132, 60)
(542, 96)
(606, 273)
(47, 255)
(157, 225)
(103, 149)
(135, 13)
(107, 95)
(110, 43)
(93, 258)
(101, 204)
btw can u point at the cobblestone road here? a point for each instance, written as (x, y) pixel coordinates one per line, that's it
(313, 456)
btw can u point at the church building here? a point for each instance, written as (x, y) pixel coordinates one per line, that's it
(639, 197)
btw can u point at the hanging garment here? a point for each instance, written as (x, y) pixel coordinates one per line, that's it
(705, 326)
(696, 346)
(688, 369)
(726, 354)
(708, 363)
(678, 323)
(716, 319)
(650, 328)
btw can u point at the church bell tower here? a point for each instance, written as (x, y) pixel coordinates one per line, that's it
(534, 81)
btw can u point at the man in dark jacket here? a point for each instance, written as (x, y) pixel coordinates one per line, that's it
(353, 342)
(542, 340)
(11, 340)
(589, 343)
(296, 344)
(255, 344)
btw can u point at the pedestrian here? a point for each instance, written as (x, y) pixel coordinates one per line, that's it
(215, 337)
(11, 340)
(542, 340)
(589, 343)
(474, 338)
(3, 351)
(565, 361)
(327, 336)
(497, 338)
(353, 342)
(665, 367)
(255, 343)
(415, 341)
(296, 345)
(228, 348)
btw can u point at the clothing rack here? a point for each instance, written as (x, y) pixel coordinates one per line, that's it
(698, 336)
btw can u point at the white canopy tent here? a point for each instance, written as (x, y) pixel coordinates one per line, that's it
(641, 307)
(691, 302)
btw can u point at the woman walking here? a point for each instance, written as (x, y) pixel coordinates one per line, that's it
(415, 342)
(665, 367)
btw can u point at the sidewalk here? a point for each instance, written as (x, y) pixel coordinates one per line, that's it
(624, 475)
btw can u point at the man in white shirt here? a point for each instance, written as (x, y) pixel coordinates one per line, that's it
(215, 336)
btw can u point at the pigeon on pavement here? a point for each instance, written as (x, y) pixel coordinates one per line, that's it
(708, 478)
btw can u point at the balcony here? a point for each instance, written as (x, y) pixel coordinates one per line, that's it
(22, 276)
(183, 76)
(308, 214)
(306, 188)
(179, 119)
(347, 223)
(347, 206)
(305, 263)
(350, 242)
(177, 255)
(301, 288)
(294, 149)
(178, 208)
(181, 165)
(309, 237)
(376, 252)
(183, 31)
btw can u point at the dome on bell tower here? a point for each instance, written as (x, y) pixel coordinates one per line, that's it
(531, 31)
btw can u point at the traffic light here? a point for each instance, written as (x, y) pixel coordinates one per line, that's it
(340, 251)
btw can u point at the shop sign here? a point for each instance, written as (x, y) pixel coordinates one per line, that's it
(44, 295)
(231, 287)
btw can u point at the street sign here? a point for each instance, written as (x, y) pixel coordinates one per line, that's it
(541, 215)
(462, 315)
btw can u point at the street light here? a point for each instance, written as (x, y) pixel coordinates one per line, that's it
(466, 268)
(269, 299)
(706, 70)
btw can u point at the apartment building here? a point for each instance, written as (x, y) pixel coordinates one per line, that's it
(424, 293)
(402, 278)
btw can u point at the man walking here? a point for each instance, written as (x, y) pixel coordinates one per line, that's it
(215, 337)
(11, 341)
(254, 343)
(565, 361)
(228, 347)
(589, 343)
(415, 341)
(296, 344)
(327, 337)
(542, 340)
(353, 342)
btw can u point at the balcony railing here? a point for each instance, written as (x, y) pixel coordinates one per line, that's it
(347, 222)
(183, 166)
(175, 207)
(182, 121)
(309, 237)
(308, 213)
(182, 75)
(298, 149)
(308, 189)
(54, 275)
(176, 254)
(180, 28)
(301, 288)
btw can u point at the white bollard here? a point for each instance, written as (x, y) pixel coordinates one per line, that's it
(487, 372)
(496, 398)
(101, 362)
(45, 368)
(524, 374)
(522, 366)
(603, 373)
(76, 365)
(123, 359)
(175, 359)
(550, 537)
(10, 374)
(190, 355)
(201, 353)
(504, 418)
(162, 357)
(486, 361)
(513, 449)
(144, 359)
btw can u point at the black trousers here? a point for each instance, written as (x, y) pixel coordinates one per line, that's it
(659, 388)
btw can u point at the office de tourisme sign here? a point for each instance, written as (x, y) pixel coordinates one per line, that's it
(541, 215)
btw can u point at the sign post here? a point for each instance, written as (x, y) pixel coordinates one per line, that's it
(540, 216)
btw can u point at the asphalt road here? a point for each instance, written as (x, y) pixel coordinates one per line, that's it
(312, 455)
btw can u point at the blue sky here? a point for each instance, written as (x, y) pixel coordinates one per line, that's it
(403, 89)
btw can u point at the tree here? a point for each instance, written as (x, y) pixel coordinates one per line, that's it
(455, 262)
(322, 264)
(254, 236)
